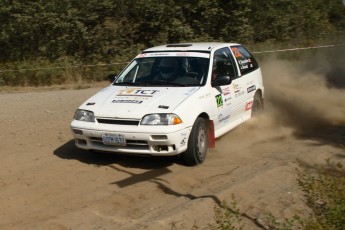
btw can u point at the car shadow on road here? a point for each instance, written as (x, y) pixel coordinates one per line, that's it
(155, 168)
(153, 176)
(70, 151)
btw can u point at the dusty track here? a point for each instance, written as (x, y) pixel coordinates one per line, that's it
(46, 183)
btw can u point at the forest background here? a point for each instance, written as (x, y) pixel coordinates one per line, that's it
(68, 41)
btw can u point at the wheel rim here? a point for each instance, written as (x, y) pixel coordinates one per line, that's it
(201, 141)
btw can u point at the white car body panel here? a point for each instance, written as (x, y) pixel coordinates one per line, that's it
(135, 102)
(129, 104)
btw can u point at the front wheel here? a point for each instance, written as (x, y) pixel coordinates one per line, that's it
(197, 143)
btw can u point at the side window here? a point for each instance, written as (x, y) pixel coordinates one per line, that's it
(223, 64)
(245, 60)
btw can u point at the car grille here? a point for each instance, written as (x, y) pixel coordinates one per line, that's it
(118, 122)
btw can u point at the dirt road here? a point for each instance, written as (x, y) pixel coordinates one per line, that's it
(46, 183)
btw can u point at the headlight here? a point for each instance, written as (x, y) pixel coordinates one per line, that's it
(161, 119)
(84, 115)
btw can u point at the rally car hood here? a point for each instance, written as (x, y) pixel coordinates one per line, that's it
(135, 102)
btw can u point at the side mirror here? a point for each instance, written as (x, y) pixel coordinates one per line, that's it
(112, 77)
(221, 80)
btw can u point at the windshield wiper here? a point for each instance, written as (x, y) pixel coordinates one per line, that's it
(168, 83)
(178, 84)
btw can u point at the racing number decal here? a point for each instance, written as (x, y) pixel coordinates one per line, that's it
(219, 100)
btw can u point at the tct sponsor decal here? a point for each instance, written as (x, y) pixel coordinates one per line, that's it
(249, 106)
(127, 101)
(251, 88)
(138, 92)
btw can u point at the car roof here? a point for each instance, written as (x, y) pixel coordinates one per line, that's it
(185, 47)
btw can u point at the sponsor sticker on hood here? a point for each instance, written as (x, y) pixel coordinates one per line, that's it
(127, 101)
(134, 95)
(138, 92)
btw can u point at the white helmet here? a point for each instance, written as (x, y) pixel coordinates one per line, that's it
(168, 67)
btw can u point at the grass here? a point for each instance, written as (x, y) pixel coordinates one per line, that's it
(44, 73)
(228, 217)
(324, 190)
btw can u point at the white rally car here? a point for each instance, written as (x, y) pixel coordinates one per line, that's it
(172, 99)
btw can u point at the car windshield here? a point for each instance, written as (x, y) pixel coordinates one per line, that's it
(165, 71)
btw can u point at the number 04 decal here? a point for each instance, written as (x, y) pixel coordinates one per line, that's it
(219, 100)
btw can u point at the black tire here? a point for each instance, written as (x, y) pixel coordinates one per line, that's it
(258, 105)
(197, 143)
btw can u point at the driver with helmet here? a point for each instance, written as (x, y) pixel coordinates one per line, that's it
(168, 69)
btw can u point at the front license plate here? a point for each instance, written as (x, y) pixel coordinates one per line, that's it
(114, 139)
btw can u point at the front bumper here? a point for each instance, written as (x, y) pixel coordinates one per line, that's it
(147, 142)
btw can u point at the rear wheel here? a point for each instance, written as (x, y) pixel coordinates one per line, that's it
(197, 143)
(258, 104)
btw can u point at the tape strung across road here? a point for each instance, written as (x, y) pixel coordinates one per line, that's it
(294, 49)
(255, 52)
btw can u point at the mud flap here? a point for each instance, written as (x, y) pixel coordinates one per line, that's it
(211, 138)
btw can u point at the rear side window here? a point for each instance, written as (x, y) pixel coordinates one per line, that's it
(245, 60)
(224, 64)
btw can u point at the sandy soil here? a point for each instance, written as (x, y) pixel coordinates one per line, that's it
(46, 183)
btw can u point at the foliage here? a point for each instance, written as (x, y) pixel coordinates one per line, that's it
(106, 31)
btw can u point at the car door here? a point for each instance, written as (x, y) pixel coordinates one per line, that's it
(230, 97)
(248, 79)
